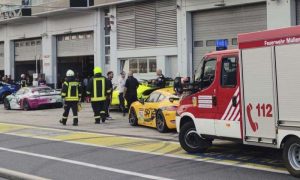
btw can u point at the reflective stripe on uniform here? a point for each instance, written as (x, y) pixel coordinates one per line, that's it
(101, 97)
(75, 116)
(102, 112)
(96, 117)
(70, 96)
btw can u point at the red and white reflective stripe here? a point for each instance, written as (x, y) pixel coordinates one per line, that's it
(230, 108)
(233, 110)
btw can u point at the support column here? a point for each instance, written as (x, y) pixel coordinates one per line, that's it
(184, 35)
(99, 56)
(114, 62)
(49, 59)
(9, 58)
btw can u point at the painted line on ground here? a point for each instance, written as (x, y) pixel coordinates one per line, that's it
(105, 168)
(92, 139)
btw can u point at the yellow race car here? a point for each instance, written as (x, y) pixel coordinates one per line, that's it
(157, 111)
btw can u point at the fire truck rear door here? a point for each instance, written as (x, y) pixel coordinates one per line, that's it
(259, 83)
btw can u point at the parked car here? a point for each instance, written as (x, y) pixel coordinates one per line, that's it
(7, 89)
(33, 97)
(145, 88)
(157, 111)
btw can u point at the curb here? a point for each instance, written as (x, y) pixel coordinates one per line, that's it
(14, 175)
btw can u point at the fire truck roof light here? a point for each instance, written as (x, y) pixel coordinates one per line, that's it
(221, 44)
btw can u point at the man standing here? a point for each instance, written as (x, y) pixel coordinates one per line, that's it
(71, 92)
(160, 80)
(110, 76)
(97, 90)
(121, 86)
(23, 81)
(130, 90)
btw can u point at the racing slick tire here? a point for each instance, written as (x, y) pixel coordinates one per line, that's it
(161, 125)
(191, 141)
(133, 120)
(291, 156)
(4, 96)
(6, 104)
(26, 105)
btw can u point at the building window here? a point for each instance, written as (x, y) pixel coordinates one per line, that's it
(38, 42)
(59, 38)
(27, 43)
(210, 43)
(74, 37)
(67, 38)
(32, 43)
(107, 35)
(80, 36)
(17, 44)
(22, 44)
(234, 41)
(107, 59)
(140, 65)
(198, 43)
(88, 36)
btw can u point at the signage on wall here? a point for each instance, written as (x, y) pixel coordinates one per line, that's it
(15, 13)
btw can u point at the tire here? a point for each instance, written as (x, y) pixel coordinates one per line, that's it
(161, 125)
(4, 96)
(26, 105)
(133, 120)
(291, 153)
(191, 141)
(59, 105)
(6, 104)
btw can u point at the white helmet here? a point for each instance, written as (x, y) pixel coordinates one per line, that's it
(70, 73)
(22, 75)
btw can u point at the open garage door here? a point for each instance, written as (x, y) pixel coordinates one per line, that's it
(76, 52)
(1, 59)
(28, 55)
(226, 23)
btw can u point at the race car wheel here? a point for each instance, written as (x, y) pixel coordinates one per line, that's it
(26, 105)
(161, 125)
(58, 105)
(133, 120)
(4, 96)
(191, 141)
(6, 104)
(291, 156)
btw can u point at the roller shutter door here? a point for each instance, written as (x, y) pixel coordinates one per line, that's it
(1, 56)
(147, 24)
(298, 12)
(28, 50)
(80, 44)
(211, 25)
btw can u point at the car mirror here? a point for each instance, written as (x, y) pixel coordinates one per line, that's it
(142, 101)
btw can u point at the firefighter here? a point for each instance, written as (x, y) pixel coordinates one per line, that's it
(23, 81)
(97, 90)
(71, 92)
(160, 80)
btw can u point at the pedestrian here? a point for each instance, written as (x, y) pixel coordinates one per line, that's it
(23, 81)
(85, 84)
(130, 89)
(41, 81)
(121, 86)
(160, 80)
(97, 90)
(110, 76)
(71, 92)
(10, 80)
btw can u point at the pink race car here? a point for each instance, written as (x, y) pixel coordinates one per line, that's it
(33, 97)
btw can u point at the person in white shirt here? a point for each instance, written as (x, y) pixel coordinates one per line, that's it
(121, 85)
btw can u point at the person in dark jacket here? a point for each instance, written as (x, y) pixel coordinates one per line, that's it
(130, 89)
(23, 81)
(71, 92)
(97, 90)
(110, 76)
(160, 80)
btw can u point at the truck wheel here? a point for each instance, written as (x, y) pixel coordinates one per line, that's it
(161, 125)
(291, 156)
(6, 104)
(133, 120)
(190, 140)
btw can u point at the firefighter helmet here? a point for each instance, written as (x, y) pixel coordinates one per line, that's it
(70, 73)
(97, 70)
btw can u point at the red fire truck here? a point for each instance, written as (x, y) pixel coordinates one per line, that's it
(251, 94)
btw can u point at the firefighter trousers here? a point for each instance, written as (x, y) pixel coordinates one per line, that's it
(99, 111)
(70, 105)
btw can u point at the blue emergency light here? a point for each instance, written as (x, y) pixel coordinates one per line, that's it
(221, 44)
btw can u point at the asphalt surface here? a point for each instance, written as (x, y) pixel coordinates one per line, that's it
(145, 164)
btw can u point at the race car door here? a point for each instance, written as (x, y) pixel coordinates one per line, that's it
(149, 110)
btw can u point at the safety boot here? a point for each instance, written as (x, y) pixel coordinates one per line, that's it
(75, 122)
(63, 121)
